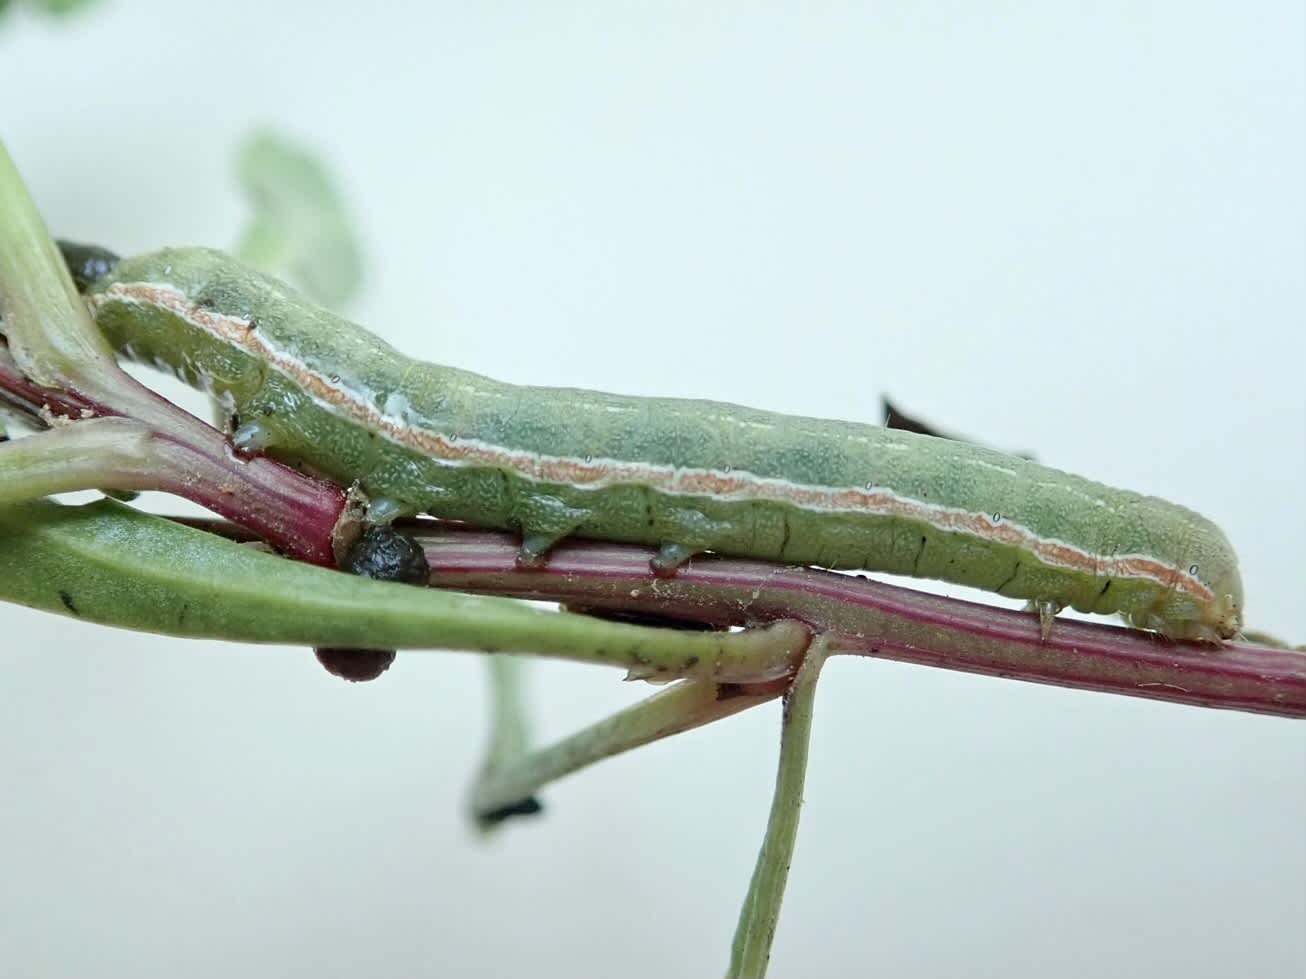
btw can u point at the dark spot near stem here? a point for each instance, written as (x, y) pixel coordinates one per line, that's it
(530, 806)
(355, 665)
(1104, 588)
(87, 264)
(643, 618)
(893, 418)
(691, 662)
(386, 554)
(67, 600)
(728, 691)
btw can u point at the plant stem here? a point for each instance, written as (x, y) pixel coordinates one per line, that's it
(122, 454)
(509, 738)
(91, 455)
(687, 705)
(751, 950)
(62, 365)
(868, 618)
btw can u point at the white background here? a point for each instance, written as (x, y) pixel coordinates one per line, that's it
(1077, 229)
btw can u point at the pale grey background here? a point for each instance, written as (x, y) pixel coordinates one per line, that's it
(1066, 227)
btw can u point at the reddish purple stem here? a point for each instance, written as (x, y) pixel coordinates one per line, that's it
(874, 619)
(295, 513)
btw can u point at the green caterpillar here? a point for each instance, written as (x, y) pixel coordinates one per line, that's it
(685, 476)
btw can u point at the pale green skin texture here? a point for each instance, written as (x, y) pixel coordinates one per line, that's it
(684, 433)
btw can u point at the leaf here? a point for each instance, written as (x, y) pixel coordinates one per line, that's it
(110, 564)
(46, 323)
(299, 229)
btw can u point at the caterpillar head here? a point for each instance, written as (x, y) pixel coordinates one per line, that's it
(1222, 613)
(1205, 603)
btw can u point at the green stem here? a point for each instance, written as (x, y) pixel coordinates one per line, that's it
(62, 365)
(94, 454)
(509, 737)
(685, 706)
(761, 910)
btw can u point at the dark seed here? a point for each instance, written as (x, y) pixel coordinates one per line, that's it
(386, 554)
(355, 665)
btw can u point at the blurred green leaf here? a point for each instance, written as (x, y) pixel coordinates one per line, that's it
(299, 229)
(58, 8)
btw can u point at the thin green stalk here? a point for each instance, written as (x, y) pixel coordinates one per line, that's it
(685, 706)
(761, 910)
(509, 737)
(95, 454)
